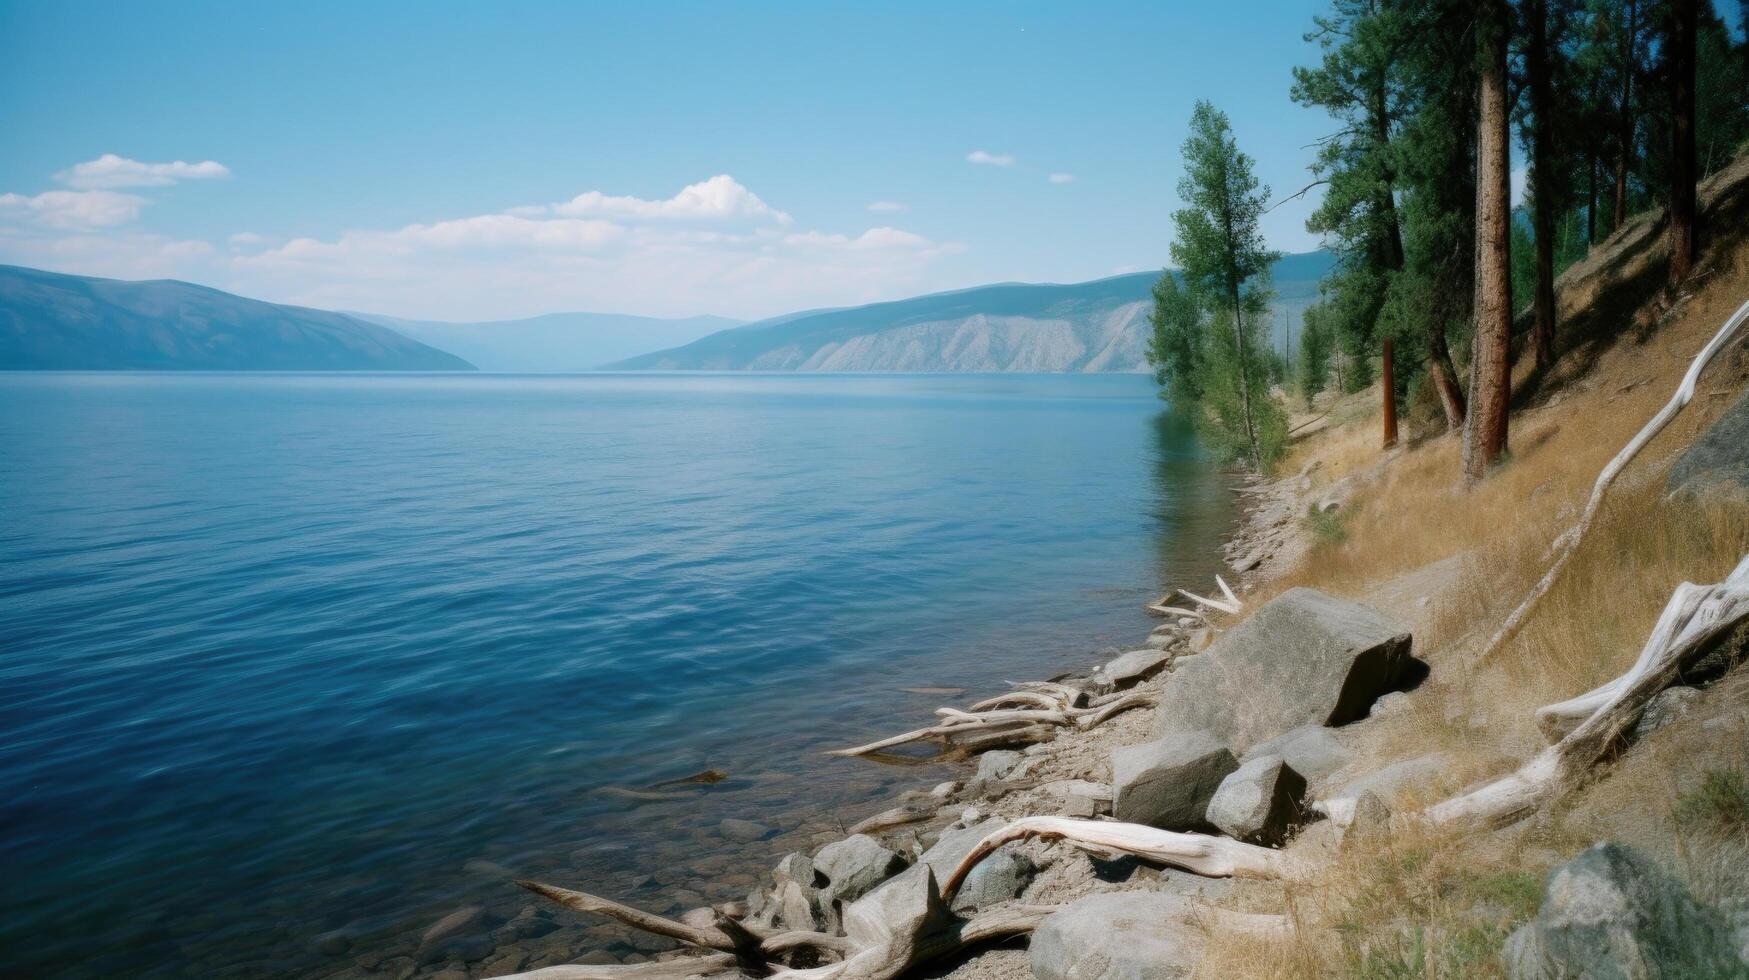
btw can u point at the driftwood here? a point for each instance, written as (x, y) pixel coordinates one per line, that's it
(1019, 716)
(1215, 857)
(1694, 622)
(1565, 545)
(907, 924)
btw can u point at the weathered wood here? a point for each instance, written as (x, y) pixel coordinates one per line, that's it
(714, 938)
(716, 965)
(1568, 542)
(1694, 621)
(1217, 857)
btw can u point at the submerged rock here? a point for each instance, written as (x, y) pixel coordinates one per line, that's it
(1304, 658)
(1168, 782)
(1612, 913)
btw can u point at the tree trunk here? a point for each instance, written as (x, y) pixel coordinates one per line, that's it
(1624, 124)
(1387, 384)
(1679, 54)
(1490, 369)
(1445, 379)
(1543, 203)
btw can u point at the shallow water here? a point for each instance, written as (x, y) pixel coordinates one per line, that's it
(296, 656)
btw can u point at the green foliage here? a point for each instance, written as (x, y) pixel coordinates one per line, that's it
(1317, 343)
(1719, 805)
(1220, 249)
(1176, 341)
(1328, 527)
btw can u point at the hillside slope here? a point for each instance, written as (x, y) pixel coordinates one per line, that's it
(555, 342)
(1092, 326)
(50, 321)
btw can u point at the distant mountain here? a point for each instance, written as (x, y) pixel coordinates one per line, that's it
(1091, 326)
(50, 321)
(554, 342)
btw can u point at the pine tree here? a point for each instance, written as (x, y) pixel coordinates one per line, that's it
(1220, 250)
(1316, 343)
(1485, 430)
(1175, 343)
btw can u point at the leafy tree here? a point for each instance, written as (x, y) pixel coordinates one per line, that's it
(1175, 345)
(1221, 252)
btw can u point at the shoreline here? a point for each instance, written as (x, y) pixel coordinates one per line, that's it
(955, 788)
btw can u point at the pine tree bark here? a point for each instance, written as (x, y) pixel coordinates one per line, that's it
(1680, 57)
(1490, 369)
(1445, 379)
(1388, 385)
(1624, 123)
(1543, 203)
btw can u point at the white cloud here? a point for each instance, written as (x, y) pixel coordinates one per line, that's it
(719, 199)
(110, 170)
(715, 246)
(880, 207)
(73, 210)
(247, 239)
(1062, 178)
(990, 159)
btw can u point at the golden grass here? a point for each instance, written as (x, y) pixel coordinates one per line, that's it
(1440, 905)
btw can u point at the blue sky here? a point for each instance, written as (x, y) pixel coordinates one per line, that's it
(474, 161)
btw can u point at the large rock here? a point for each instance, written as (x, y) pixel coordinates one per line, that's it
(854, 866)
(1168, 782)
(1137, 665)
(1118, 936)
(1314, 751)
(1260, 801)
(1304, 658)
(1665, 707)
(1388, 783)
(1612, 914)
(997, 764)
(1719, 459)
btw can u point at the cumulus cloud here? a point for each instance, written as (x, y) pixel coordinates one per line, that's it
(1062, 178)
(721, 199)
(72, 210)
(990, 159)
(111, 170)
(885, 206)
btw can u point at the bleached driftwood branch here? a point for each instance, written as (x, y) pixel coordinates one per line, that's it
(1216, 857)
(1694, 622)
(1568, 542)
(1045, 705)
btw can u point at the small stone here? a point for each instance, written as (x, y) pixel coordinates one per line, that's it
(997, 764)
(1135, 666)
(1391, 704)
(1371, 824)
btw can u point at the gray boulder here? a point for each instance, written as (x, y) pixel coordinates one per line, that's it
(1664, 708)
(1613, 914)
(997, 764)
(1314, 751)
(997, 878)
(1118, 936)
(1398, 777)
(1304, 658)
(854, 866)
(1168, 782)
(1719, 459)
(1137, 665)
(1259, 802)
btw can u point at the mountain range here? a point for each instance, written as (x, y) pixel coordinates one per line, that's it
(50, 321)
(54, 321)
(1092, 326)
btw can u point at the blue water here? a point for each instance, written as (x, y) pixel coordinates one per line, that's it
(289, 656)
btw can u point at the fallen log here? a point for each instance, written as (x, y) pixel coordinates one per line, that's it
(717, 965)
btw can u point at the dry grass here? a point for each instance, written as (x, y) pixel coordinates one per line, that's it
(1440, 905)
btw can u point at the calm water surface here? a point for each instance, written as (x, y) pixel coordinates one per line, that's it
(293, 665)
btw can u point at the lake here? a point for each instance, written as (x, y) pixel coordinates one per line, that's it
(295, 665)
